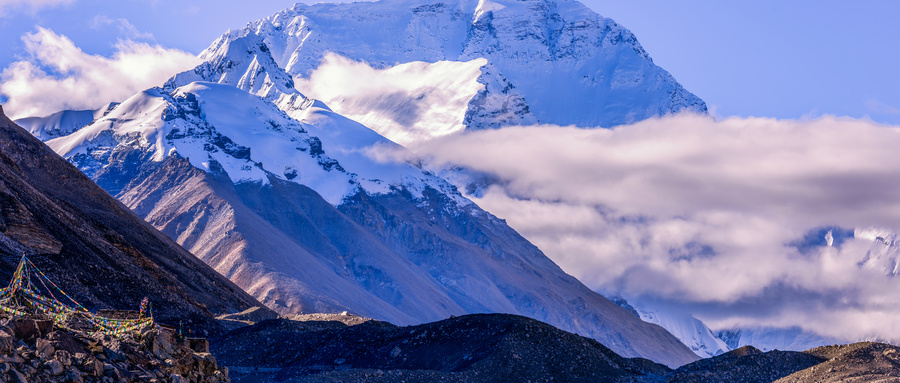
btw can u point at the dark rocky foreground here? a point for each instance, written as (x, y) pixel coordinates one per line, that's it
(480, 347)
(33, 349)
(508, 348)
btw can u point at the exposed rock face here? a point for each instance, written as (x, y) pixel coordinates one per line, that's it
(469, 348)
(92, 246)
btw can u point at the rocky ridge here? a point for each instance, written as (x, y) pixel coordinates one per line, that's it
(480, 347)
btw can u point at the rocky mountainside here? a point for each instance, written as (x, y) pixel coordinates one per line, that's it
(92, 246)
(471, 348)
(590, 71)
(300, 215)
(496, 347)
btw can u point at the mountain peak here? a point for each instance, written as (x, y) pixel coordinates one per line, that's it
(244, 62)
(567, 64)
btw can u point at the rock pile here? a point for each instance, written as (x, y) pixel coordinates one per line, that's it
(33, 349)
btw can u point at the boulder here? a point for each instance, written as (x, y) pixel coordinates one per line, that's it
(6, 343)
(54, 367)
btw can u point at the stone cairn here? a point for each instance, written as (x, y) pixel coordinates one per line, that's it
(44, 340)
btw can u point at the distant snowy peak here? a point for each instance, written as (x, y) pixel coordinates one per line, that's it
(769, 339)
(567, 65)
(689, 330)
(62, 123)
(497, 104)
(884, 254)
(245, 63)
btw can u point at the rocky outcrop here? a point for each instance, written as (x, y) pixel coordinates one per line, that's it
(32, 349)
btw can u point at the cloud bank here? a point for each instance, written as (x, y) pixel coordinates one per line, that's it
(727, 218)
(58, 75)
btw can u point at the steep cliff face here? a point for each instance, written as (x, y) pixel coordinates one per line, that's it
(570, 65)
(92, 246)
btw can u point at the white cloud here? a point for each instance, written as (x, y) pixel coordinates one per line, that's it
(58, 75)
(406, 103)
(29, 5)
(126, 28)
(691, 210)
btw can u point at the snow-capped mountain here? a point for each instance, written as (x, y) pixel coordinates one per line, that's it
(884, 255)
(688, 329)
(291, 200)
(298, 214)
(62, 123)
(507, 62)
(691, 331)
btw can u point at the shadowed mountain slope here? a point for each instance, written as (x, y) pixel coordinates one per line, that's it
(92, 246)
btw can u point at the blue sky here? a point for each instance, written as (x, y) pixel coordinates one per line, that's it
(795, 60)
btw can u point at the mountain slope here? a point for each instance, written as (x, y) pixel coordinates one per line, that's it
(301, 215)
(589, 70)
(93, 247)
(61, 123)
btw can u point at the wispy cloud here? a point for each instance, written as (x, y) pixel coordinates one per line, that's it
(875, 106)
(58, 75)
(691, 210)
(126, 28)
(32, 6)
